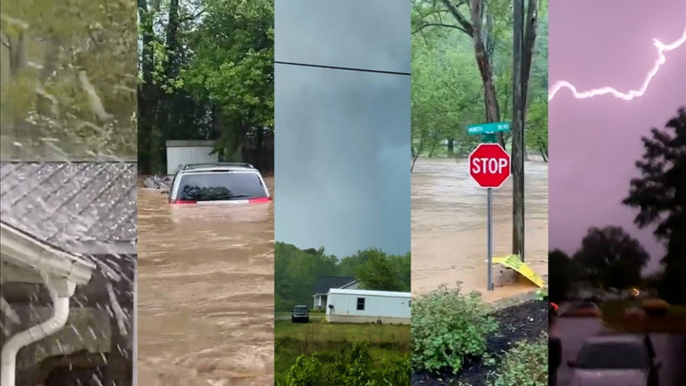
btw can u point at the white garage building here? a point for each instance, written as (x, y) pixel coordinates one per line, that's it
(363, 306)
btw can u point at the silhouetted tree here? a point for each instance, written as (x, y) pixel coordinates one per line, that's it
(653, 280)
(611, 257)
(660, 196)
(563, 272)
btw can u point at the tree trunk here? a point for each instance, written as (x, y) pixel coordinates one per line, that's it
(17, 56)
(484, 64)
(259, 151)
(518, 144)
(416, 155)
(149, 156)
(524, 40)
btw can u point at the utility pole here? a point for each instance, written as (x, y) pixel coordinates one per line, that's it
(518, 145)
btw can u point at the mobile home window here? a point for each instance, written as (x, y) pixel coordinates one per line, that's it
(360, 304)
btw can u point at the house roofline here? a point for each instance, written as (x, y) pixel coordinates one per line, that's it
(77, 162)
(94, 247)
(349, 284)
(20, 249)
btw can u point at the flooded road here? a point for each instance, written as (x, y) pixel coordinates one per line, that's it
(205, 293)
(449, 227)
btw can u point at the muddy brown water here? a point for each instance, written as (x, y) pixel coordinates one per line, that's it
(449, 227)
(205, 293)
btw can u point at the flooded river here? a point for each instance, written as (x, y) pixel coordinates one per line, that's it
(449, 226)
(205, 293)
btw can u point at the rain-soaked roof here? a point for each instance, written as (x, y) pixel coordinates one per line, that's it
(71, 204)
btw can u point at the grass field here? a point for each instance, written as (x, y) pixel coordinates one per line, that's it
(294, 339)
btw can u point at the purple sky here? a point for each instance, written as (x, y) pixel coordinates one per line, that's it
(595, 142)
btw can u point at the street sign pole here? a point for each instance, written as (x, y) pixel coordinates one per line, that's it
(490, 238)
(488, 133)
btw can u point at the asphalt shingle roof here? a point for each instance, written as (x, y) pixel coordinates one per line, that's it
(325, 283)
(62, 202)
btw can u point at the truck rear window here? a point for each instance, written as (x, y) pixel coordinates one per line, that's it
(221, 186)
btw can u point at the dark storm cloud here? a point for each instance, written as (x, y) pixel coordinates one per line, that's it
(342, 148)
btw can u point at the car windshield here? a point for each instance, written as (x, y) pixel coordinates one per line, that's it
(220, 186)
(613, 355)
(300, 309)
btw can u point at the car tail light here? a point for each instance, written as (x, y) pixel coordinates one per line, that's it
(259, 200)
(184, 202)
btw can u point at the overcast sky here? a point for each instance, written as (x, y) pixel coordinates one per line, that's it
(595, 142)
(342, 135)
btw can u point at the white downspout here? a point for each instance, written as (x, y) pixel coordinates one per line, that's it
(61, 290)
(135, 327)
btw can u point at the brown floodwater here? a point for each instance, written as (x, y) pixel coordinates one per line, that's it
(205, 293)
(449, 227)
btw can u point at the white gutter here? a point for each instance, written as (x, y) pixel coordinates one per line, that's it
(135, 326)
(60, 271)
(21, 250)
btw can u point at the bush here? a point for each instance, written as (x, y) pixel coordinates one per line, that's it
(395, 373)
(307, 371)
(351, 367)
(524, 364)
(447, 327)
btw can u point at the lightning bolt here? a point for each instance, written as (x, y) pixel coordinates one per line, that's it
(661, 59)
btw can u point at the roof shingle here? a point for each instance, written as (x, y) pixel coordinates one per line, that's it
(65, 202)
(325, 283)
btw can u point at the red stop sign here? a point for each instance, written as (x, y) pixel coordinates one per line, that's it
(489, 165)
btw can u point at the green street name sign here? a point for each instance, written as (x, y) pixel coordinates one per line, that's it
(488, 128)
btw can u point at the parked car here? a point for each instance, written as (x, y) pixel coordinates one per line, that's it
(227, 183)
(655, 307)
(584, 309)
(616, 360)
(300, 314)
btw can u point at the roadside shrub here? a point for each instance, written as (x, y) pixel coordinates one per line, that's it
(447, 327)
(524, 364)
(307, 371)
(353, 366)
(396, 372)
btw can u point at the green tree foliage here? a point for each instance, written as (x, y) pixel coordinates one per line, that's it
(297, 272)
(235, 71)
(612, 258)
(447, 87)
(381, 272)
(660, 196)
(68, 79)
(206, 73)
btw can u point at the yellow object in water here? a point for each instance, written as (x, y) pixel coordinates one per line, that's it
(513, 262)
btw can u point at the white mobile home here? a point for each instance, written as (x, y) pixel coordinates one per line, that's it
(362, 306)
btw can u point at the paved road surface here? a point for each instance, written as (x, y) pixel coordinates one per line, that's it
(670, 348)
